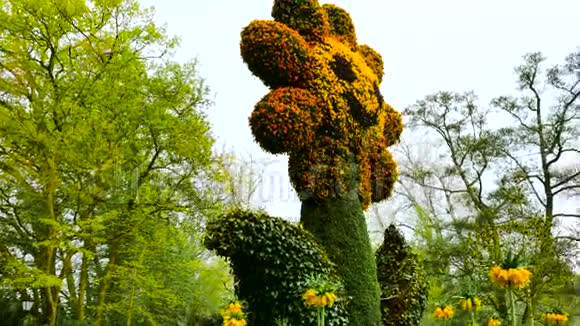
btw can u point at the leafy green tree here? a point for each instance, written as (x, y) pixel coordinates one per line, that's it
(103, 148)
(168, 279)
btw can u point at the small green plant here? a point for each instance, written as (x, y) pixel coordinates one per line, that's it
(469, 301)
(282, 321)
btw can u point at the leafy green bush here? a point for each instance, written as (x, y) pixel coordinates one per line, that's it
(403, 283)
(271, 260)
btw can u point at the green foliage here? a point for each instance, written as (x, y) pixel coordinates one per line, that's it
(403, 283)
(104, 153)
(271, 261)
(10, 307)
(468, 224)
(167, 278)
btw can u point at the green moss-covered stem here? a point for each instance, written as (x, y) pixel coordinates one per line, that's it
(339, 225)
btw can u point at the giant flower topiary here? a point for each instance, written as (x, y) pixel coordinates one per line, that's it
(325, 111)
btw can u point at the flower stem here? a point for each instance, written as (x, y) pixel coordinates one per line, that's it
(473, 317)
(512, 306)
(323, 315)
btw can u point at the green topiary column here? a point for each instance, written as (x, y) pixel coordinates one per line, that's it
(326, 112)
(403, 283)
(340, 226)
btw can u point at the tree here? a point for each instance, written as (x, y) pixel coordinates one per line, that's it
(103, 146)
(548, 131)
(243, 177)
(326, 111)
(168, 278)
(517, 212)
(551, 134)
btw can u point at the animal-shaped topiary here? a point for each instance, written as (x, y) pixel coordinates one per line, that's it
(271, 260)
(325, 110)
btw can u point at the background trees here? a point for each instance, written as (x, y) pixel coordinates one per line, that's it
(104, 156)
(491, 184)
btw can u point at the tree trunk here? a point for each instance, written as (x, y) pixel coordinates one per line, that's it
(70, 280)
(83, 284)
(340, 226)
(49, 294)
(106, 282)
(47, 252)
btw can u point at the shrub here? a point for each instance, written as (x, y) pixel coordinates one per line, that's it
(271, 260)
(403, 283)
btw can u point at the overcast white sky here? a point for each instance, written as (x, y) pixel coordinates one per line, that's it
(427, 46)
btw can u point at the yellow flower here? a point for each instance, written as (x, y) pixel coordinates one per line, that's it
(309, 294)
(463, 304)
(323, 300)
(438, 313)
(448, 311)
(469, 304)
(233, 315)
(313, 299)
(555, 318)
(512, 277)
(443, 313)
(493, 322)
(235, 307)
(235, 322)
(499, 276)
(331, 298)
(519, 278)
